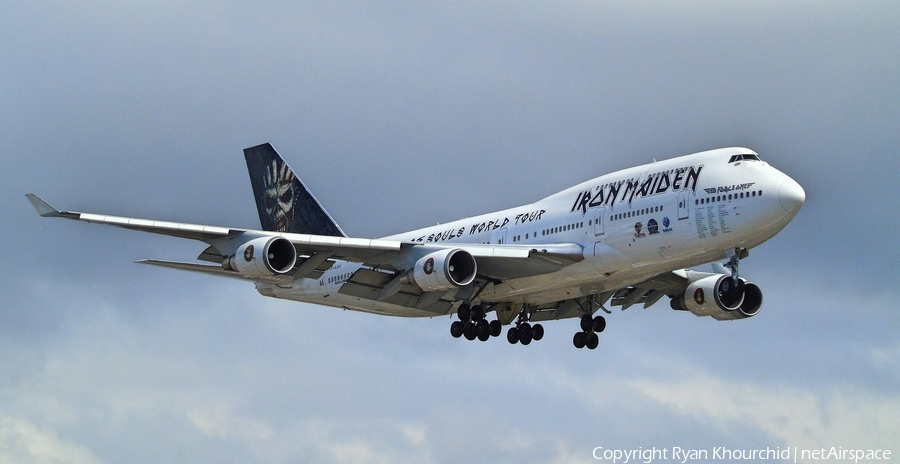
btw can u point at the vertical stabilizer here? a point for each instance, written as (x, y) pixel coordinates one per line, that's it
(284, 203)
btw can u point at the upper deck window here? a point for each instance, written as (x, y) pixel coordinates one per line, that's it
(744, 158)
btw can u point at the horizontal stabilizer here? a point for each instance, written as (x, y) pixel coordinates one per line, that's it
(204, 268)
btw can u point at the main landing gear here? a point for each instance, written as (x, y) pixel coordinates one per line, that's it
(472, 324)
(590, 327)
(524, 332)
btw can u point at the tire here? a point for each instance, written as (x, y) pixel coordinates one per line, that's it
(484, 329)
(512, 336)
(525, 332)
(464, 312)
(525, 340)
(456, 329)
(537, 332)
(470, 332)
(599, 324)
(496, 328)
(587, 324)
(477, 313)
(579, 340)
(592, 341)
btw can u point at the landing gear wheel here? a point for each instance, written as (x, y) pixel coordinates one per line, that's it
(496, 328)
(525, 338)
(477, 313)
(537, 332)
(484, 330)
(464, 312)
(599, 324)
(587, 323)
(456, 329)
(592, 341)
(525, 332)
(579, 339)
(471, 332)
(512, 336)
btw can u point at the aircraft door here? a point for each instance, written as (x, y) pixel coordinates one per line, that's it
(598, 221)
(683, 210)
(499, 236)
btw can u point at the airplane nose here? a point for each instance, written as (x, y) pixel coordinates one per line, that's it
(791, 196)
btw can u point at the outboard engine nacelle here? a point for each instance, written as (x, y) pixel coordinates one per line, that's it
(444, 270)
(264, 257)
(720, 297)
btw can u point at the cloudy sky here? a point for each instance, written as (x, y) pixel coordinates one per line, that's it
(399, 115)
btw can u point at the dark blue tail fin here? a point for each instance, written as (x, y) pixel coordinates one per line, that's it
(284, 203)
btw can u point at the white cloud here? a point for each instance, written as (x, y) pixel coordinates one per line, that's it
(845, 415)
(24, 442)
(219, 420)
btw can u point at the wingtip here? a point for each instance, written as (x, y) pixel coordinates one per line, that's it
(43, 208)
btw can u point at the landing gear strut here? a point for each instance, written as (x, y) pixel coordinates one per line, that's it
(734, 290)
(734, 258)
(472, 324)
(524, 332)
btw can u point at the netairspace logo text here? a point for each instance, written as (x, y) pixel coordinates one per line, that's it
(721, 453)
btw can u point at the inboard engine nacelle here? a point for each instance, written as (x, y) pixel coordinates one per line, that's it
(444, 270)
(264, 256)
(720, 297)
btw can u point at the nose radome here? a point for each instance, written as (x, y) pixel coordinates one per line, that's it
(791, 196)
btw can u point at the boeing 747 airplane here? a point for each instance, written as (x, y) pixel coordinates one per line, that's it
(621, 239)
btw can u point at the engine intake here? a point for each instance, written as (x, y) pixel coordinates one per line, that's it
(444, 270)
(263, 257)
(720, 297)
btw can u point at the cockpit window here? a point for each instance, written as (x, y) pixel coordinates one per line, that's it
(744, 158)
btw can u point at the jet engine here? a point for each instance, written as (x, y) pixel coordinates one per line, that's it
(720, 297)
(263, 257)
(444, 270)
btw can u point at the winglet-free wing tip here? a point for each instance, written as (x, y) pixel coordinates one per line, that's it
(43, 208)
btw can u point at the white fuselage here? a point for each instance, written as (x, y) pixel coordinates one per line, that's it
(632, 225)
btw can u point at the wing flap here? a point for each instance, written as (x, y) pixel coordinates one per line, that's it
(504, 262)
(212, 255)
(369, 284)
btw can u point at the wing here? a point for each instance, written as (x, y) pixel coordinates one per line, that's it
(647, 293)
(317, 252)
